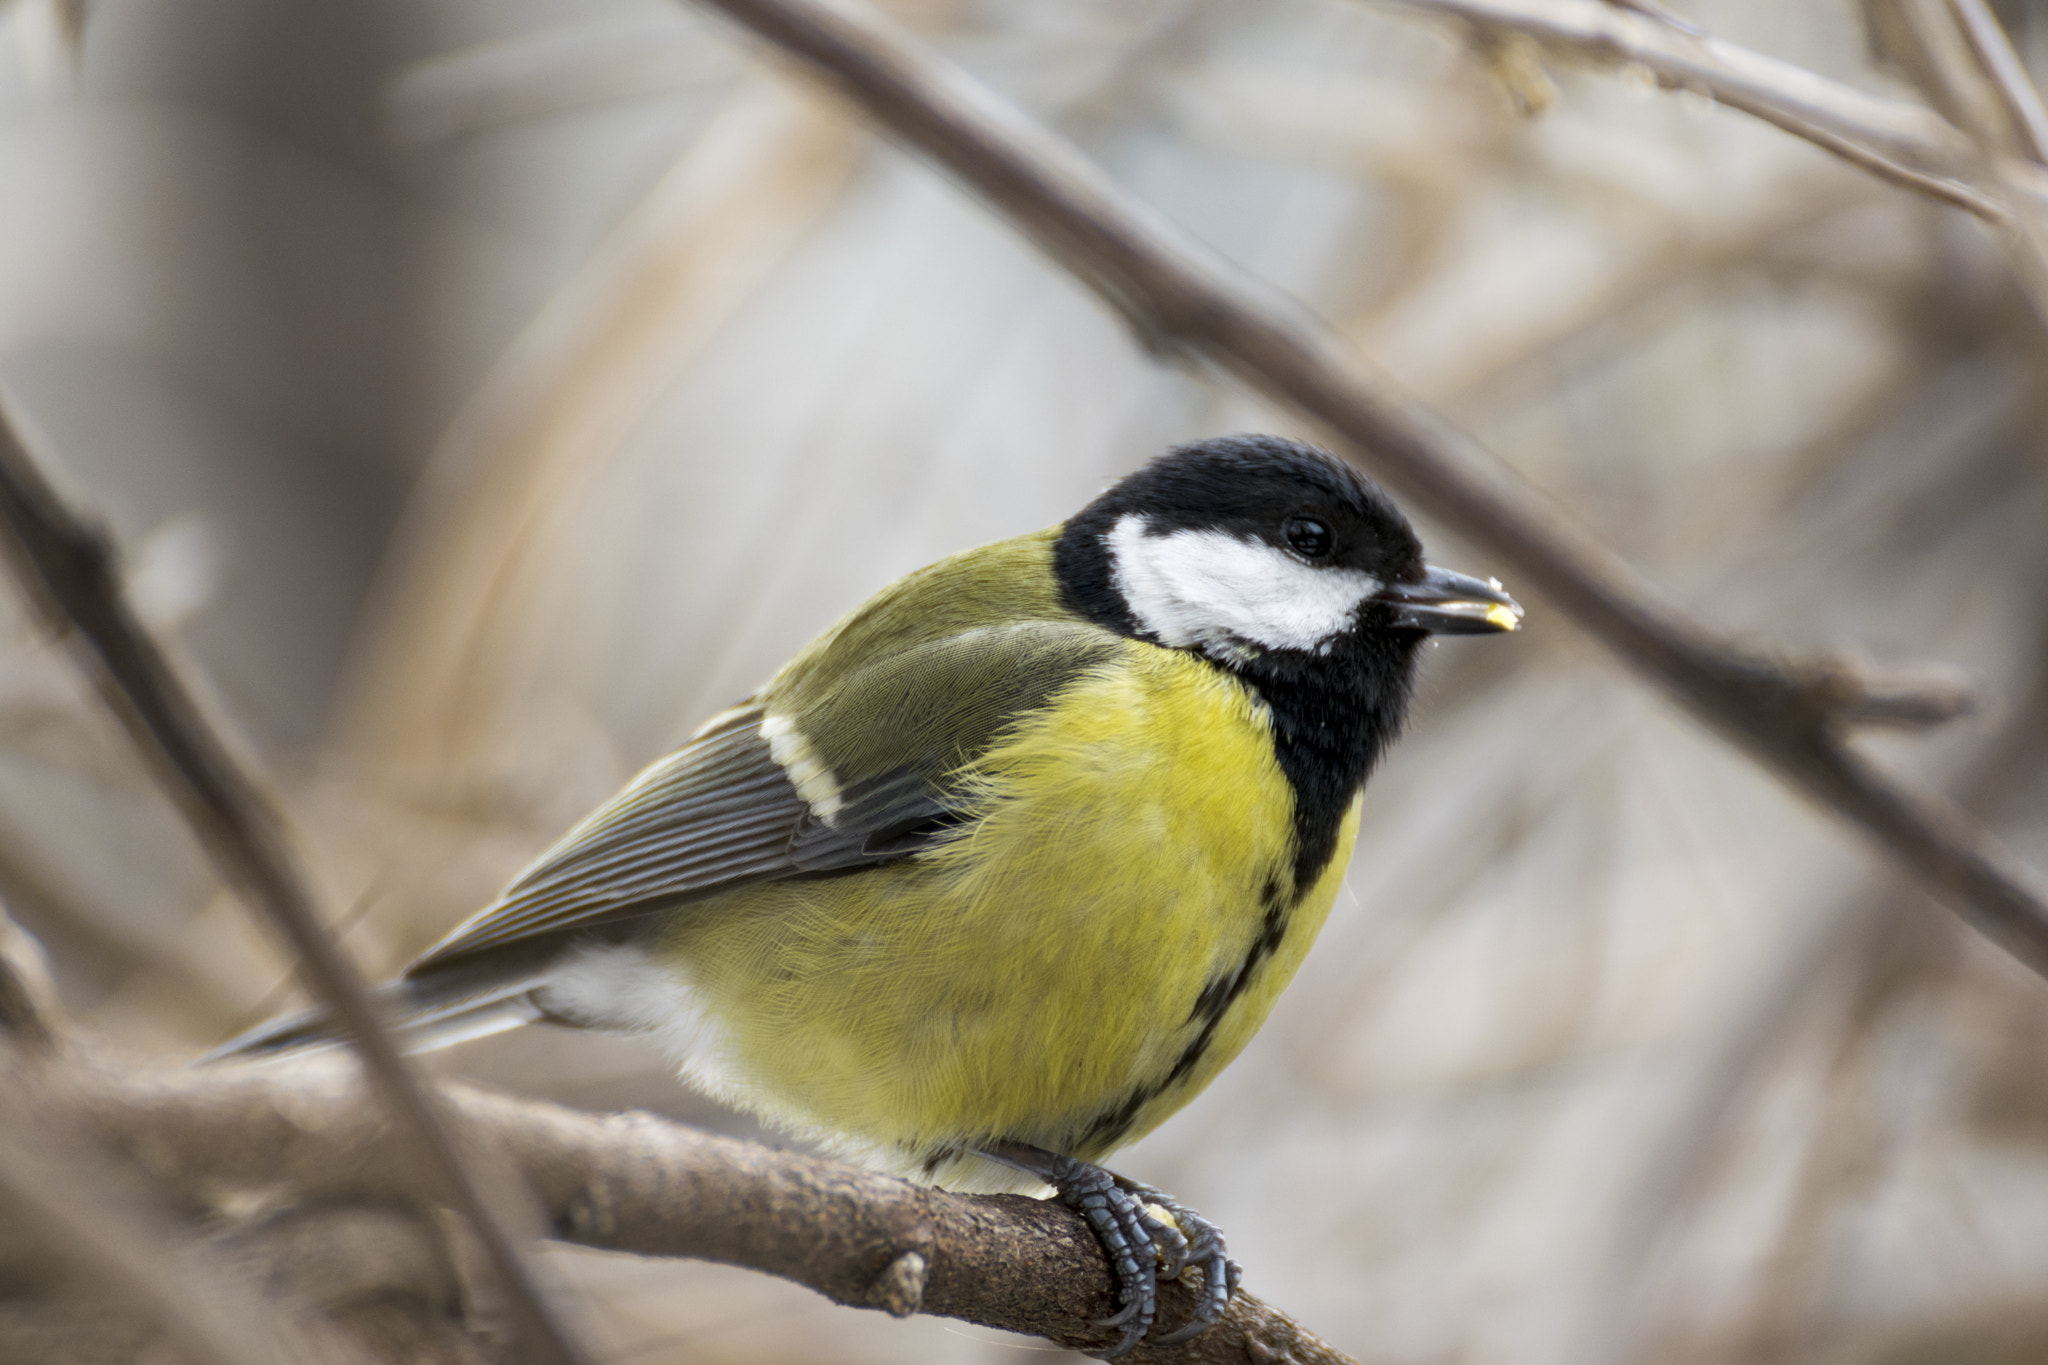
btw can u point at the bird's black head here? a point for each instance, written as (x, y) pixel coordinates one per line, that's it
(1254, 548)
(1280, 563)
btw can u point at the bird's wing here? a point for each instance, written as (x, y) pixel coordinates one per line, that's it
(862, 776)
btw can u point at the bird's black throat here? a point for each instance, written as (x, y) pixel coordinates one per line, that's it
(1333, 715)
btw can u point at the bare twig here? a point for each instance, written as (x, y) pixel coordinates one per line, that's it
(69, 573)
(1179, 296)
(2007, 76)
(28, 1004)
(1859, 691)
(1659, 13)
(1954, 51)
(1904, 144)
(635, 1183)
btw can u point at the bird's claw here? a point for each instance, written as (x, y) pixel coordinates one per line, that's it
(1148, 1237)
(1118, 1220)
(1169, 1243)
(1196, 1242)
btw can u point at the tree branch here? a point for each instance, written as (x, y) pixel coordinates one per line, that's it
(1180, 297)
(68, 572)
(635, 1183)
(1902, 143)
(62, 1195)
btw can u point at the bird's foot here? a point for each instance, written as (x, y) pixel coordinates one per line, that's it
(1200, 1247)
(1147, 1236)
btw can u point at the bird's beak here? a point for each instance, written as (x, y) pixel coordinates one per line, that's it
(1446, 603)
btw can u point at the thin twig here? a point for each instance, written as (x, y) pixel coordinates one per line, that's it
(1180, 297)
(28, 1002)
(68, 571)
(1957, 55)
(636, 1183)
(2006, 76)
(1659, 13)
(1904, 144)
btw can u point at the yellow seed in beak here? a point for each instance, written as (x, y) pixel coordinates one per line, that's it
(1505, 617)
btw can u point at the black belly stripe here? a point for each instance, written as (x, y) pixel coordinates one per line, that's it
(1326, 739)
(1221, 992)
(1224, 988)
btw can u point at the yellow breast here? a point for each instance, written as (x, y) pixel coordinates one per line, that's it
(1070, 969)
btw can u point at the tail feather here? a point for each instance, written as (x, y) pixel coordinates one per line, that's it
(426, 1012)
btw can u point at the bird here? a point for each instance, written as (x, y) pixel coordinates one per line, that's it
(1002, 869)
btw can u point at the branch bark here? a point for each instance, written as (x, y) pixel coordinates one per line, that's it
(635, 1183)
(68, 571)
(1181, 298)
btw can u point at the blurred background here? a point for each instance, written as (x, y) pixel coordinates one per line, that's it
(486, 391)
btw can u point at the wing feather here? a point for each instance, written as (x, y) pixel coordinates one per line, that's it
(721, 812)
(717, 813)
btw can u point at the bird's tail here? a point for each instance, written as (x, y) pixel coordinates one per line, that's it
(433, 1010)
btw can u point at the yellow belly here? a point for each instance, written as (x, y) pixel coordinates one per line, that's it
(1066, 972)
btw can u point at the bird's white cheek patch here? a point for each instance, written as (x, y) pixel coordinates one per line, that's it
(1210, 587)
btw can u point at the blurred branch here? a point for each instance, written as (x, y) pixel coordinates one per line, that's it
(28, 1002)
(1857, 691)
(68, 572)
(1958, 57)
(84, 1207)
(1955, 54)
(635, 1183)
(1179, 296)
(1659, 13)
(2007, 76)
(1908, 146)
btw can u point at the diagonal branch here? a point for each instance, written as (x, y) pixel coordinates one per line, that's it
(1180, 297)
(68, 572)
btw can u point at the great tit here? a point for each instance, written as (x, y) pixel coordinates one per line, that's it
(1003, 868)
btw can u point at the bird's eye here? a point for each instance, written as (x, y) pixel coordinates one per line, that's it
(1307, 537)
